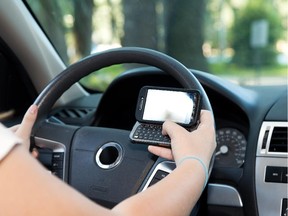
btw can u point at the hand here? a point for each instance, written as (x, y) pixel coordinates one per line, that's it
(200, 143)
(23, 130)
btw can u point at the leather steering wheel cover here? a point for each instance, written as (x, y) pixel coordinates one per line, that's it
(76, 71)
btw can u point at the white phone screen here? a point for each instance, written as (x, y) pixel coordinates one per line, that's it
(162, 105)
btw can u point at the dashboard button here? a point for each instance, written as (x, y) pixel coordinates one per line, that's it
(273, 174)
(57, 165)
(160, 174)
(58, 156)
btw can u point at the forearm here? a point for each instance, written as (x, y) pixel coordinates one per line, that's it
(28, 189)
(176, 194)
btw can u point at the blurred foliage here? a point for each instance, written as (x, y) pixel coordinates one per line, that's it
(99, 80)
(235, 70)
(245, 54)
(194, 32)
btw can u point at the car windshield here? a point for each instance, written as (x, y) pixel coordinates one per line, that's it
(243, 41)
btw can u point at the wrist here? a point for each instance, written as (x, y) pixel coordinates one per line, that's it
(195, 161)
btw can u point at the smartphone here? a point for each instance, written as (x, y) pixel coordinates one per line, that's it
(157, 104)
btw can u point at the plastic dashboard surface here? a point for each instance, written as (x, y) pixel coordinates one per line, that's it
(239, 108)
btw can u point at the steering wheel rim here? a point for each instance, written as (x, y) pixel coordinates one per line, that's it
(77, 145)
(94, 62)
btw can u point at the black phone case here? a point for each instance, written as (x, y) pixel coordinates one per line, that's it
(141, 102)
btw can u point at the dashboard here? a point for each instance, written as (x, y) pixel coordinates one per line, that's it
(238, 182)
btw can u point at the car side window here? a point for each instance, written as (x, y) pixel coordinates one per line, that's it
(16, 89)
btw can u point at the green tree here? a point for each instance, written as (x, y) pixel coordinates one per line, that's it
(245, 54)
(173, 26)
(140, 29)
(83, 26)
(185, 32)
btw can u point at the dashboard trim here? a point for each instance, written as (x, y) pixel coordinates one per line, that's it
(223, 195)
(263, 149)
(55, 147)
(269, 194)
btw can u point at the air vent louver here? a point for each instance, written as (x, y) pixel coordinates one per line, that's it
(75, 116)
(279, 141)
(72, 113)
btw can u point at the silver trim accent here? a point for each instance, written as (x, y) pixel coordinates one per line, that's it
(269, 126)
(54, 146)
(218, 194)
(269, 194)
(166, 166)
(223, 195)
(118, 159)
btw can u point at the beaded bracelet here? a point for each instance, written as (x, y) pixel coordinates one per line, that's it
(200, 161)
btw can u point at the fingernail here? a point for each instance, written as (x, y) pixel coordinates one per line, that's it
(33, 109)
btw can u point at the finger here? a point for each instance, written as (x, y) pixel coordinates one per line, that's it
(35, 153)
(206, 119)
(27, 123)
(161, 152)
(170, 128)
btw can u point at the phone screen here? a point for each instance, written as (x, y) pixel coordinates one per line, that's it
(177, 106)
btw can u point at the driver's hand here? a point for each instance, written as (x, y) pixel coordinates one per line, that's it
(198, 143)
(23, 130)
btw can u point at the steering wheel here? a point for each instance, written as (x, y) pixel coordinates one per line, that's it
(102, 163)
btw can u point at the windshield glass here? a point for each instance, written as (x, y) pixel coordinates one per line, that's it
(243, 41)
